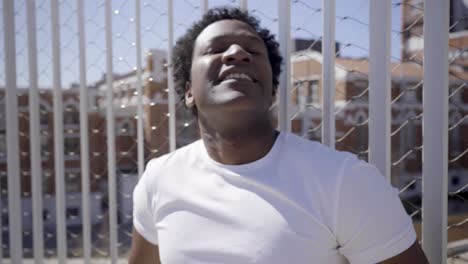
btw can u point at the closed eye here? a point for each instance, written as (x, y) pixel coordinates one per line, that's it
(255, 52)
(212, 52)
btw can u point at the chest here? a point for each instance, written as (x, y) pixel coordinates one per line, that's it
(217, 221)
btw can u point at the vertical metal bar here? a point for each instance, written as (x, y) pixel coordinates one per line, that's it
(284, 17)
(380, 86)
(435, 130)
(58, 136)
(84, 138)
(1, 228)
(205, 6)
(243, 5)
(1, 224)
(111, 162)
(328, 73)
(34, 133)
(172, 102)
(141, 157)
(12, 138)
(4, 110)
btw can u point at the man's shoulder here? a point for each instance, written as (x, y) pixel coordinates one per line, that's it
(316, 163)
(184, 155)
(313, 151)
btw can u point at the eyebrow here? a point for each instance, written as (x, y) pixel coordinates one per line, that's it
(224, 37)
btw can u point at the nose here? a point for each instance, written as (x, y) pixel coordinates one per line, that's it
(236, 53)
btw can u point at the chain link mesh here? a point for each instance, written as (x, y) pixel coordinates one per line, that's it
(351, 112)
(458, 134)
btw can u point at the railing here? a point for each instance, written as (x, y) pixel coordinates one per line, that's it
(105, 192)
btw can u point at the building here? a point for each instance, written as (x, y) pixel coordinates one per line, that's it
(352, 113)
(412, 31)
(351, 101)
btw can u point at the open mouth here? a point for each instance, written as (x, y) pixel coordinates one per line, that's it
(238, 76)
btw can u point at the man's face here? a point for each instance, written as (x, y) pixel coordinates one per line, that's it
(230, 71)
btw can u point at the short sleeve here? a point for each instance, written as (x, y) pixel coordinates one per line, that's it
(371, 223)
(143, 220)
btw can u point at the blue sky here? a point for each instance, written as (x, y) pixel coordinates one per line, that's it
(306, 22)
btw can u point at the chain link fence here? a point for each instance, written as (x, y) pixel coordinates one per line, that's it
(351, 105)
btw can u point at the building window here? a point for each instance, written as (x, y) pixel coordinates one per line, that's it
(454, 134)
(3, 185)
(307, 93)
(457, 96)
(410, 134)
(45, 147)
(46, 215)
(297, 92)
(458, 15)
(361, 140)
(411, 138)
(455, 140)
(313, 93)
(125, 128)
(44, 115)
(455, 180)
(71, 115)
(402, 146)
(73, 181)
(72, 147)
(73, 213)
(2, 144)
(47, 183)
(5, 219)
(360, 87)
(411, 94)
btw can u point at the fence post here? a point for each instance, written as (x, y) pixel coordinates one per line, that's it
(380, 86)
(140, 136)
(328, 73)
(435, 130)
(84, 138)
(204, 6)
(170, 78)
(12, 135)
(284, 17)
(243, 5)
(58, 136)
(111, 160)
(34, 133)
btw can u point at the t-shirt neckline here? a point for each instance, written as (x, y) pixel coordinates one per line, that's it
(246, 166)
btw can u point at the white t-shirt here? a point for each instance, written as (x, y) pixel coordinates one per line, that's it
(301, 203)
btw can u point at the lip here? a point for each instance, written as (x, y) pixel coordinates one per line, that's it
(225, 73)
(236, 80)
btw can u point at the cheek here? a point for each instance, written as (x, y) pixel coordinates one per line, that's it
(204, 73)
(266, 73)
(204, 69)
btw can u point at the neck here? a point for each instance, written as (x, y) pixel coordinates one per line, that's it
(238, 145)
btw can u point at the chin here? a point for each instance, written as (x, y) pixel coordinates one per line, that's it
(226, 99)
(242, 108)
(235, 100)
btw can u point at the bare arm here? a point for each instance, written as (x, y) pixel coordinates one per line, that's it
(413, 255)
(142, 251)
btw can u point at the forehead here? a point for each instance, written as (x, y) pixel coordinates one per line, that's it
(225, 29)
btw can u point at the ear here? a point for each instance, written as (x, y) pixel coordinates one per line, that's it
(189, 100)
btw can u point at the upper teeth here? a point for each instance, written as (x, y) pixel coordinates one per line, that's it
(238, 76)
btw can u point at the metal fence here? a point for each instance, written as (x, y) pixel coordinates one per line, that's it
(69, 70)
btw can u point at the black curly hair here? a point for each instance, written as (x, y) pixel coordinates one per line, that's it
(183, 50)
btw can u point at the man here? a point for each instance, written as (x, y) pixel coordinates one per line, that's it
(246, 193)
